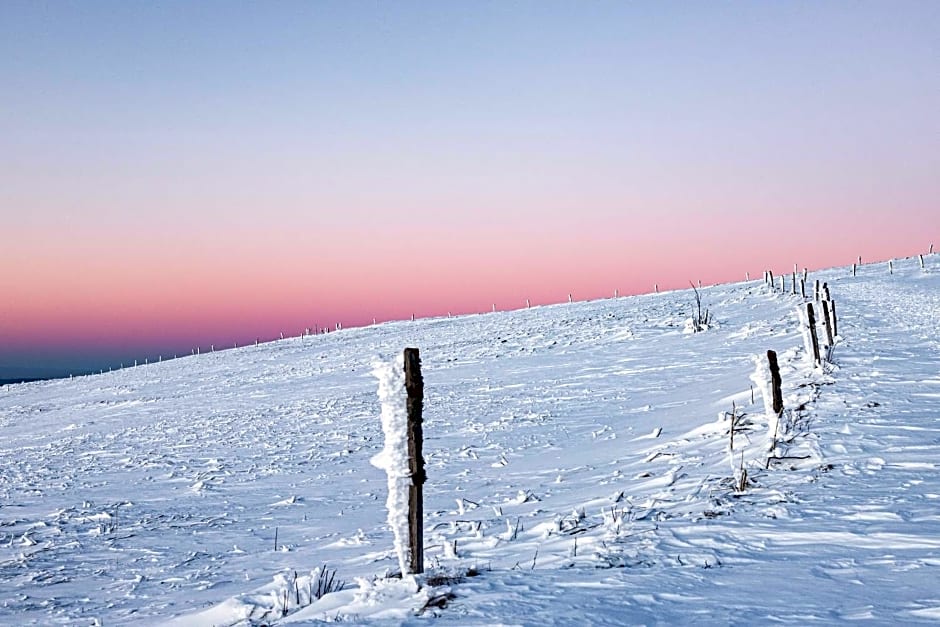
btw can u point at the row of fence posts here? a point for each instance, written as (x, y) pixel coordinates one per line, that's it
(414, 387)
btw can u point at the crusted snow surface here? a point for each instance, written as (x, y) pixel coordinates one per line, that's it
(576, 472)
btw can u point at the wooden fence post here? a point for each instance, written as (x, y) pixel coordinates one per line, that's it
(414, 385)
(890, 266)
(832, 314)
(816, 290)
(803, 288)
(921, 257)
(770, 275)
(775, 382)
(827, 322)
(854, 269)
(825, 291)
(811, 321)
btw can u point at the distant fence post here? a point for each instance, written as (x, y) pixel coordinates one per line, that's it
(414, 385)
(890, 266)
(816, 290)
(811, 321)
(803, 288)
(775, 382)
(854, 269)
(921, 257)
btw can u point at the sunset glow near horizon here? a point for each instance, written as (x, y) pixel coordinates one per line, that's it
(177, 174)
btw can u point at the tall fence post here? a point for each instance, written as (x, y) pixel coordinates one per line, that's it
(775, 382)
(414, 386)
(811, 321)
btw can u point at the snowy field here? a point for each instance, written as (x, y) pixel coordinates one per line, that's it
(578, 472)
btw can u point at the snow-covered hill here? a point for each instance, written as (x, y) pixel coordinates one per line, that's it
(577, 459)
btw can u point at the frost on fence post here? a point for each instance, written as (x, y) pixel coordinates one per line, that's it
(808, 329)
(767, 378)
(394, 457)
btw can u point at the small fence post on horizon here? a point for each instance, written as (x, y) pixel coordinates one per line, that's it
(414, 386)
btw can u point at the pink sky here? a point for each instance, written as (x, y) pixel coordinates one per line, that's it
(178, 176)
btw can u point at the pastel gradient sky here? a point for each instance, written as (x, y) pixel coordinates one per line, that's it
(180, 173)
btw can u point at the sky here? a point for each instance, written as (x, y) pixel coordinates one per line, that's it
(177, 174)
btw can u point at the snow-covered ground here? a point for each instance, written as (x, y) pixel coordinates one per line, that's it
(577, 459)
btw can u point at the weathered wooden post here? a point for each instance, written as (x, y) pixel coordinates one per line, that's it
(793, 287)
(832, 314)
(805, 274)
(783, 283)
(414, 386)
(827, 322)
(816, 290)
(890, 266)
(854, 269)
(930, 252)
(825, 291)
(921, 257)
(770, 275)
(811, 321)
(803, 288)
(775, 382)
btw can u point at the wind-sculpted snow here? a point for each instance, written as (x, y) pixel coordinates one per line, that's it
(577, 460)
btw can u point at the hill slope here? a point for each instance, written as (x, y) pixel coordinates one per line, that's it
(577, 459)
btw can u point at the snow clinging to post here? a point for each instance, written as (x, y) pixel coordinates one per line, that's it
(394, 457)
